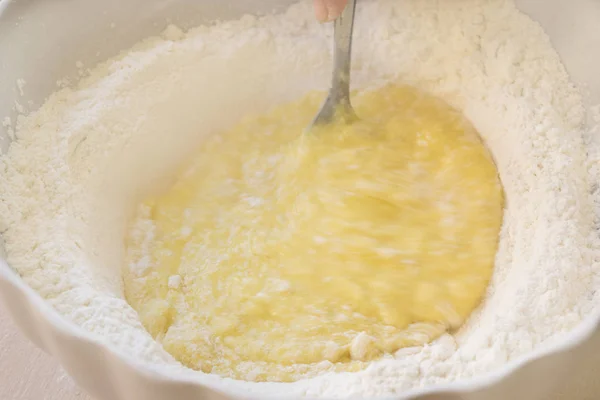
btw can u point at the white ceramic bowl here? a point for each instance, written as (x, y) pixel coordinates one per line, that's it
(40, 42)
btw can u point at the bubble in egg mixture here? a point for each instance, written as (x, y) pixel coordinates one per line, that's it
(281, 254)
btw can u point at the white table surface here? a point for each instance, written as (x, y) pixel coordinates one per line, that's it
(27, 373)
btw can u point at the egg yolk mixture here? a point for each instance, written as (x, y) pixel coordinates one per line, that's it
(281, 253)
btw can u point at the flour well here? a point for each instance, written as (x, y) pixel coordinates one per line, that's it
(81, 163)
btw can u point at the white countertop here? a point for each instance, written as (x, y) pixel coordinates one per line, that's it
(28, 373)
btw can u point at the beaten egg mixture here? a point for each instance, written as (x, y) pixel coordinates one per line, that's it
(280, 253)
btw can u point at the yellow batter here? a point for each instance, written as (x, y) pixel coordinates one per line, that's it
(278, 255)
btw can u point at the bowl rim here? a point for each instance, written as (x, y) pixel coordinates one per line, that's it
(575, 338)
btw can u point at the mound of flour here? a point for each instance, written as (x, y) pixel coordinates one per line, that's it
(71, 180)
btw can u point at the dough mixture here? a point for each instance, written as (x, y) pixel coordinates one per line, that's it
(278, 253)
(79, 167)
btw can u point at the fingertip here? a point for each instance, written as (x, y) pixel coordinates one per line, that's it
(321, 11)
(329, 10)
(336, 8)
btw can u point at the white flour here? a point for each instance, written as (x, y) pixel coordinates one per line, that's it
(71, 181)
